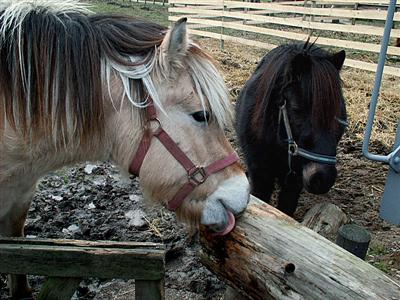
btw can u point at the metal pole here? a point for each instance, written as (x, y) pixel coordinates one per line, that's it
(377, 85)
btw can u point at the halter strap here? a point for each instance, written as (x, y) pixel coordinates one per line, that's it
(196, 175)
(295, 150)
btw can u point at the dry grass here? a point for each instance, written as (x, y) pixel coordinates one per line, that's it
(238, 62)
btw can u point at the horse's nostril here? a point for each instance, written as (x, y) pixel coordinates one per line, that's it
(316, 180)
(320, 182)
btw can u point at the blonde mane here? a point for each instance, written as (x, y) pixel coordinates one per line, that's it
(56, 63)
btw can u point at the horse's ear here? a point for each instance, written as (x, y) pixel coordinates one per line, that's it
(301, 63)
(337, 59)
(176, 42)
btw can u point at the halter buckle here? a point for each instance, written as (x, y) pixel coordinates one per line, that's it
(154, 126)
(293, 149)
(197, 175)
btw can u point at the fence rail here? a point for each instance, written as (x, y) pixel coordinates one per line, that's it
(234, 20)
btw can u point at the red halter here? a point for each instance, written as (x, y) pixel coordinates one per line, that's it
(196, 175)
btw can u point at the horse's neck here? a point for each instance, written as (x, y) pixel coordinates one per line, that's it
(35, 159)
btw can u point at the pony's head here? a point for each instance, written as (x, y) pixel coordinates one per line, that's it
(193, 108)
(78, 84)
(304, 83)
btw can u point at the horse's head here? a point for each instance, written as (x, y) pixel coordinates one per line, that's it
(192, 107)
(317, 113)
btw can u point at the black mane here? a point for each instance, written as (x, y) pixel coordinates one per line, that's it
(303, 62)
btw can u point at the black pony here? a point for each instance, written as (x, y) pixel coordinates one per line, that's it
(290, 117)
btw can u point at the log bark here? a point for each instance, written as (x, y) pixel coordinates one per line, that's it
(271, 256)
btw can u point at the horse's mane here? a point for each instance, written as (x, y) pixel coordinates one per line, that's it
(276, 72)
(56, 59)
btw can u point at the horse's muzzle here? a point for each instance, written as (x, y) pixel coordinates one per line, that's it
(319, 178)
(229, 200)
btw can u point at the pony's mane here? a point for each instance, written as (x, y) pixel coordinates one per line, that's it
(57, 58)
(276, 74)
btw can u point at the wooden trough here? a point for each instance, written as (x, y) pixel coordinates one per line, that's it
(271, 256)
(66, 262)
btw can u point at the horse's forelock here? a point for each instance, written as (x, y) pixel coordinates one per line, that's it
(326, 89)
(271, 68)
(209, 85)
(276, 73)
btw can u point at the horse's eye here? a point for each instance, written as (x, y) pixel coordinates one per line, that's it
(201, 116)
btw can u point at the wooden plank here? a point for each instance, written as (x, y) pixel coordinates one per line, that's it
(271, 256)
(200, 2)
(358, 29)
(328, 12)
(394, 71)
(352, 2)
(220, 2)
(58, 288)
(149, 290)
(81, 243)
(296, 36)
(82, 259)
(233, 39)
(388, 70)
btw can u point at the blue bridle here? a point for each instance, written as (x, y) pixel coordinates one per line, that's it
(295, 150)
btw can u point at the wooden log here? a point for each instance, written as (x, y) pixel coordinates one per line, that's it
(325, 219)
(271, 256)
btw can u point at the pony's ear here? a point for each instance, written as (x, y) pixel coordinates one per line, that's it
(176, 42)
(337, 59)
(301, 63)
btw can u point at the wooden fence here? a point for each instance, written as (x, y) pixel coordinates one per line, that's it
(348, 24)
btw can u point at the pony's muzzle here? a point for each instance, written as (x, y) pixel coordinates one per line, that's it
(319, 178)
(221, 207)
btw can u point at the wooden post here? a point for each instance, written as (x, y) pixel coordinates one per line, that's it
(222, 27)
(353, 21)
(313, 5)
(271, 256)
(354, 239)
(59, 288)
(149, 289)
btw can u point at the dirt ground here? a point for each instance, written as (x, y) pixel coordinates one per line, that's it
(93, 201)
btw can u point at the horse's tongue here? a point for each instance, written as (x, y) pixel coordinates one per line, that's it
(231, 224)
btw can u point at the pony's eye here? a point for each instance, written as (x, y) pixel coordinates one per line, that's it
(201, 116)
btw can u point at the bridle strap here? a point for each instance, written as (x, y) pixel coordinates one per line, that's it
(196, 175)
(192, 183)
(295, 150)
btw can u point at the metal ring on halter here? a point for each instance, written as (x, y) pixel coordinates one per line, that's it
(157, 129)
(194, 174)
(293, 148)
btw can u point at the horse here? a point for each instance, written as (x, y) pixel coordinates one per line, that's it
(77, 86)
(290, 116)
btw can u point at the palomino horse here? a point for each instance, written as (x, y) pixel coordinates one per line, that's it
(290, 117)
(76, 86)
